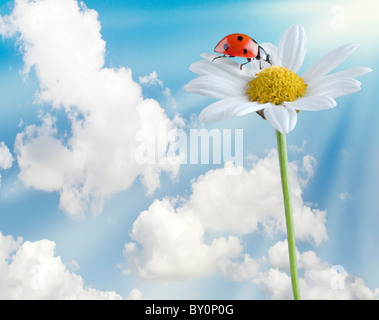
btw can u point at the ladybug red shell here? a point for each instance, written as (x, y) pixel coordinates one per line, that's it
(241, 45)
(238, 45)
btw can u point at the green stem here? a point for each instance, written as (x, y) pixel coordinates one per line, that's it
(283, 162)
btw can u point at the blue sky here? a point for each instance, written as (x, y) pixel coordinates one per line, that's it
(62, 189)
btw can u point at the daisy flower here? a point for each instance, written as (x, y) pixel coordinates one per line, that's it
(277, 93)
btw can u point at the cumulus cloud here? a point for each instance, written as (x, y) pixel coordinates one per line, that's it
(153, 80)
(253, 200)
(320, 280)
(60, 40)
(174, 247)
(30, 270)
(239, 270)
(6, 158)
(199, 236)
(135, 294)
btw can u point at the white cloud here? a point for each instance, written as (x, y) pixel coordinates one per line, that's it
(135, 294)
(173, 245)
(6, 158)
(61, 41)
(345, 196)
(167, 93)
(308, 165)
(297, 149)
(30, 270)
(199, 236)
(151, 79)
(320, 280)
(244, 203)
(278, 257)
(73, 265)
(239, 271)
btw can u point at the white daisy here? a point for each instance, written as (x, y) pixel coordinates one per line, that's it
(276, 92)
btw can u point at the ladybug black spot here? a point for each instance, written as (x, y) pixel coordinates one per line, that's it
(240, 38)
(244, 51)
(226, 47)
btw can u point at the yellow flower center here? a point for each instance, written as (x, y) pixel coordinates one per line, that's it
(276, 85)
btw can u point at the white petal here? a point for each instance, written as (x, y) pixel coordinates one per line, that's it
(312, 103)
(224, 109)
(215, 87)
(336, 88)
(246, 108)
(328, 63)
(348, 73)
(292, 47)
(282, 118)
(272, 50)
(229, 65)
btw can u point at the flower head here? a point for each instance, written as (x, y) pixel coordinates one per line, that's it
(276, 85)
(276, 92)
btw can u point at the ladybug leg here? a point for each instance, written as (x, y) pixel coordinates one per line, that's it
(248, 60)
(224, 56)
(269, 59)
(264, 55)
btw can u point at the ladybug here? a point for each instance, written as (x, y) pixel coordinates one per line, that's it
(241, 45)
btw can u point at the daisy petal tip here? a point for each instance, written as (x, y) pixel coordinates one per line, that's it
(299, 29)
(188, 87)
(354, 46)
(192, 67)
(281, 118)
(351, 47)
(295, 28)
(203, 117)
(292, 47)
(208, 56)
(333, 103)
